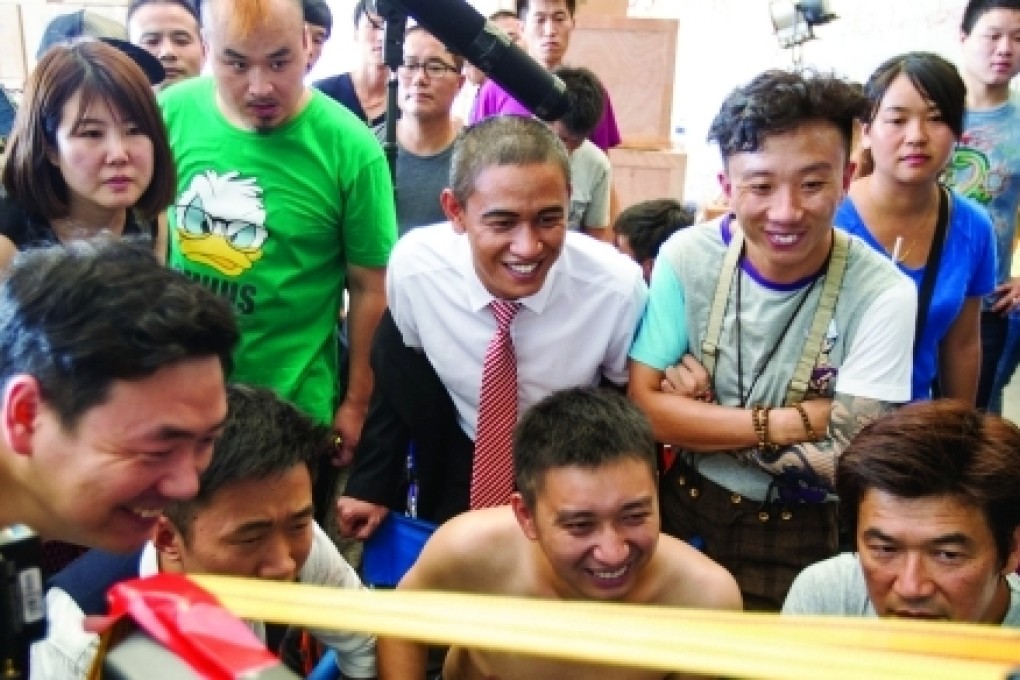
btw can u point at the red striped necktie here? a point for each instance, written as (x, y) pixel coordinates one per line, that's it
(492, 471)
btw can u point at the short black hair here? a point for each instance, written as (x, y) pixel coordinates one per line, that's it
(935, 78)
(776, 102)
(189, 5)
(264, 436)
(79, 317)
(317, 13)
(585, 99)
(523, 5)
(932, 449)
(648, 224)
(975, 9)
(583, 427)
(503, 140)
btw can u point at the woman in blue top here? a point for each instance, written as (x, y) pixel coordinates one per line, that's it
(916, 119)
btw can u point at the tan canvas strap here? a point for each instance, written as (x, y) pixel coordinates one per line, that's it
(710, 345)
(823, 312)
(823, 316)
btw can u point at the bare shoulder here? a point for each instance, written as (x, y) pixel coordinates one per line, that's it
(469, 553)
(692, 579)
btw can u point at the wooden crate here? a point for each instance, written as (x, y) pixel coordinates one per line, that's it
(612, 8)
(640, 175)
(636, 61)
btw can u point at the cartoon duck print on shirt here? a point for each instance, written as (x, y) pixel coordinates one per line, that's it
(221, 222)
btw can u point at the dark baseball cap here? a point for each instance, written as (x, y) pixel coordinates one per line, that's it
(83, 25)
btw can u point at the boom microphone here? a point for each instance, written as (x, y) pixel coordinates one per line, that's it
(464, 31)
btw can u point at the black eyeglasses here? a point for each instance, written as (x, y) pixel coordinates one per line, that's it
(433, 68)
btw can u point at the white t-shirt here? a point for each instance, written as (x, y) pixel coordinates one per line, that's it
(590, 179)
(836, 587)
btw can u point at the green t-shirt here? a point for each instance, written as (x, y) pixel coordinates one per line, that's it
(269, 220)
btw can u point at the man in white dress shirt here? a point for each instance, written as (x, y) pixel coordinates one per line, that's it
(506, 239)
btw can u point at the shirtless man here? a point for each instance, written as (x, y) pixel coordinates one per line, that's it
(583, 525)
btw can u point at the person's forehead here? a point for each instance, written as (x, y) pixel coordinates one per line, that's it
(998, 18)
(805, 145)
(923, 518)
(153, 16)
(282, 23)
(245, 500)
(547, 7)
(422, 42)
(507, 181)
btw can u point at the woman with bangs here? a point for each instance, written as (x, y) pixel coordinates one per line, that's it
(941, 240)
(88, 153)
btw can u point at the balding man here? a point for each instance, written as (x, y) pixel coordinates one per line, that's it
(283, 199)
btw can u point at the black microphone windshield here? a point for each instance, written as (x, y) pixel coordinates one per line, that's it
(464, 31)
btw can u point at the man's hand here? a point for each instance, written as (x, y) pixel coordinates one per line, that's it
(358, 519)
(688, 379)
(347, 423)
(1009, 296)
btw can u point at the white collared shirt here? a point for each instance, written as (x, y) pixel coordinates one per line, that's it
(578, 327)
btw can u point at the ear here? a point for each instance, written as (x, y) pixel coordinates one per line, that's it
(865, 139)
(849, 172)
(725, 184)
(453, 209)
(647, 266)
(525, 517)
(168, 542)
(22, 401)
(52, 156)
(1013, 558)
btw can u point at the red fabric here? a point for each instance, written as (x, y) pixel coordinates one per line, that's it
(492, 477)
(191, 623)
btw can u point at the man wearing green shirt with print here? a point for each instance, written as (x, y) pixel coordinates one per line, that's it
(283, 200)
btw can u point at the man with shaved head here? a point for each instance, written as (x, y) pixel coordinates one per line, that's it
(283, 199)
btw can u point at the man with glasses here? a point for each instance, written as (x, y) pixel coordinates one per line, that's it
(428, 82)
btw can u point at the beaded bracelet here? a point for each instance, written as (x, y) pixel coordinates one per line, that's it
(760, 421)
(807, 422)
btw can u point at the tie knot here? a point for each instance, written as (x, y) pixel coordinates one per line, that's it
(504, 311)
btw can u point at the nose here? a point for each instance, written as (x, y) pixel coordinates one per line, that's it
(786, 204)
(917, 131)
(913, 581)
(612, 548)
(259, 84)
(1004, 45)
(278, 563)
(527, 242)
(116, 149)
(166, 50)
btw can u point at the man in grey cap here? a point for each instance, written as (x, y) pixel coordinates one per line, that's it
(86, 25)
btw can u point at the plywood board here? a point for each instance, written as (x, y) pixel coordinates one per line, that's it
(12, 63)
(612, 8)
(640, 175)
(636, 61)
